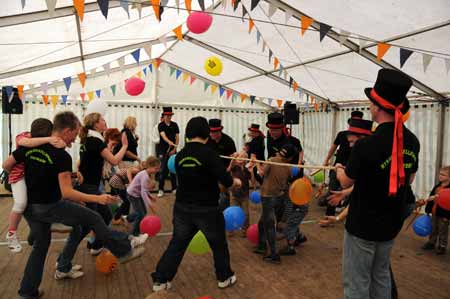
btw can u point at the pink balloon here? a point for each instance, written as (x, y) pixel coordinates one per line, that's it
(150, 225)
(198, 22)
(252, 234)
(134, 86)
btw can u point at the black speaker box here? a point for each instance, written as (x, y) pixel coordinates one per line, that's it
(291, 115)
(13, 104)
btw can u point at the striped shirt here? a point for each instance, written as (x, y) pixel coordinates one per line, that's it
(18, 171)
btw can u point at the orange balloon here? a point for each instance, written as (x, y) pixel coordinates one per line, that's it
(406, 116)
(301, 191)
(106, 262)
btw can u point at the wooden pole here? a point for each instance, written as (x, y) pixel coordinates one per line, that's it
(281, 164)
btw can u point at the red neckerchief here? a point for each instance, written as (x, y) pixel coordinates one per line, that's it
(397, 173)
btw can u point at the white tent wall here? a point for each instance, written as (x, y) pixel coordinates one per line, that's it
(446, 151)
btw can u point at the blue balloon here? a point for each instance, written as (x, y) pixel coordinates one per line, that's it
(295, 171)
(171, 164)
(234, 218)
(255, 197)
(422, 226)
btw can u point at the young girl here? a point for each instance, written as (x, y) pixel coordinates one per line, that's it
(41, 129)
(440, 217)
(139, 192)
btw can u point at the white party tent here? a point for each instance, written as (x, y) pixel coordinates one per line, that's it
(319, 54)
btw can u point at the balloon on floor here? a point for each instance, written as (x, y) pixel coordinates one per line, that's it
(422, 226)
(234, 218)
(199, 245)
(106, 262)
(150, 225)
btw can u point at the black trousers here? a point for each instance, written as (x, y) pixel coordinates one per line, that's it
(164, 172)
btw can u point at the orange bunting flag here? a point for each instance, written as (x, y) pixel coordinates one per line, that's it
(90, 95)
(82, 78)
(381, 50)
(243, 97)
(312, 99)
(316, 107)
(139, 74)
(251, 24)
(178, 33)
(229, 93)
(54, 100)
(45, 99)
(185, 76)
(279, 103)
(275, 63)
(158, 62)
(82, 95)
(20, 91)
(155, 4)
(79, 7)
(188, 4)
(305, 23)
(295, 86)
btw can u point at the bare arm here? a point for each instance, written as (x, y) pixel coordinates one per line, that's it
(330, 153)
(412, 177)
(164, 137)
(9, 163)
(130, 155)
(37, 141)
(115, 159)
(177, 139)
(300, 157)
(345, 181)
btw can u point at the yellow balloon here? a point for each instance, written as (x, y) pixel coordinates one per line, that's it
(213, 66)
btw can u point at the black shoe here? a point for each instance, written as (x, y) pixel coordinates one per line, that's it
(428, 246)
(274, 259)
(300, 240)
(260, 250)
(288, 250)
(441, 251)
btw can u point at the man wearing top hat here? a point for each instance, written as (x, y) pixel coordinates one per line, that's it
(256, 148)
(380, 168)
(169, 138)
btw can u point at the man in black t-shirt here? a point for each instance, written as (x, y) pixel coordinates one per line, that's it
(380, 168)
(169, 138)
(51, 200)
(220, 142)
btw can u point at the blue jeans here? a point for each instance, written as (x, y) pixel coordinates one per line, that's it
(366, 268)
(139, 210)
(266, 226)
(41, 216)
(124, 208)
(185, 226)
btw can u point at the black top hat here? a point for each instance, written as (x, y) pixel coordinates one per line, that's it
(167, 111)
(215, 124)
(359, 126)
(254, 128)
(355, 114)
(275, 121)
(197, 127)
(390, 88)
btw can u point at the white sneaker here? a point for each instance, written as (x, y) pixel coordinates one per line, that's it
(227, 282)
(160, 193)
(95, 252)
(72, 274)
(138, 241)
(13, 242)
(157, 286)
(174, 191)
(75, 267)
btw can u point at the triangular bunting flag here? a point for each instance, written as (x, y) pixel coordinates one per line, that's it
(316, 107)
(67, 82)
(447, 65)
(163, 41)
(23, 4)
(103, 4)
(229, 93)
(178, 74)
(136, 54)
(192, 80)
(51, 4)
(324, 28)
(221, 91)
(381, 50)
(244, 12)
(98, 92)
(258, 36)
(148, 50)
(343, 36)
(158, 62)
(138, 7)
(404, 55)
(275, 63)
(287, 15)
(44, 87)
(270, 55)
(285, 74)
(150, 68)
(206, 85)
(64, 99)
(9, 90)
(107, 69)
(233, 97)
(253, 5)
(20, 91)
(235, 4)
(295, 86)
(156, 8)
(213, 89)
(90, 95)
(279, 103)
(45, 99)
(171, 70)
(178, 33)
(272, 9)
(79, 7)
(54, 100)
(185, 76)
(291, 80)
(113, 89)
(139, 74)
(202, 4)
(121, 62)
(124, 5)
(280, 72)
(145, 71)
(264, 46)
(82, 96)
(82, 78)
(250, 26)
(252, 99)
(188, 4)
(426, 61)
(305, 23)
(269, 101)
(243, 97)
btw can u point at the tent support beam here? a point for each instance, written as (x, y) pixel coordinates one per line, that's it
(440, 138)
(364, 53)
(79, 58)
(80, 42)
(250, 66)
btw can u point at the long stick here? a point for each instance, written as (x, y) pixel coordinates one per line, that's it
(281, 164)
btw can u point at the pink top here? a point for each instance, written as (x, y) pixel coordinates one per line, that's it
(141, 186)
(18, 171)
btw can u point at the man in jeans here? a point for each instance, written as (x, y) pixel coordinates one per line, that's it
(51, 199)
(380, 168)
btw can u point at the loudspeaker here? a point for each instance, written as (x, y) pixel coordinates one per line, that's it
(291, 115)
(12, 104)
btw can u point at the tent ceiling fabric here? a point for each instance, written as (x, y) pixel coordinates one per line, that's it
(331, 70)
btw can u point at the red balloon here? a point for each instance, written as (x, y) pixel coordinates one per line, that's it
(150, 225)
(444, 199)
(134, 86)
(199, 22)
(252, 234)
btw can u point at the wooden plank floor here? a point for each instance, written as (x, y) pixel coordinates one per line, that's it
(315, 272)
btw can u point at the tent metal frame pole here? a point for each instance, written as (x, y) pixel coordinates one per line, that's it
(79, 58)
(250, 66)
(80, 43)
(363, 52)
(440, 138)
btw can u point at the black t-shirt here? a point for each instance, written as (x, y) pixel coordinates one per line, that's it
(43, 164)
(343, 151)
(91, 160)
(132, 145)
(274, 145)
(171, 132)
(225, 147)
(199, 170)
(373, 215)
(257, 147)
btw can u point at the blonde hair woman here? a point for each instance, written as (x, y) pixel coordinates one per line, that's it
(129, 128)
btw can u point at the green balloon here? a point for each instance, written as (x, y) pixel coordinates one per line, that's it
(199, 244)
(319, 177)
